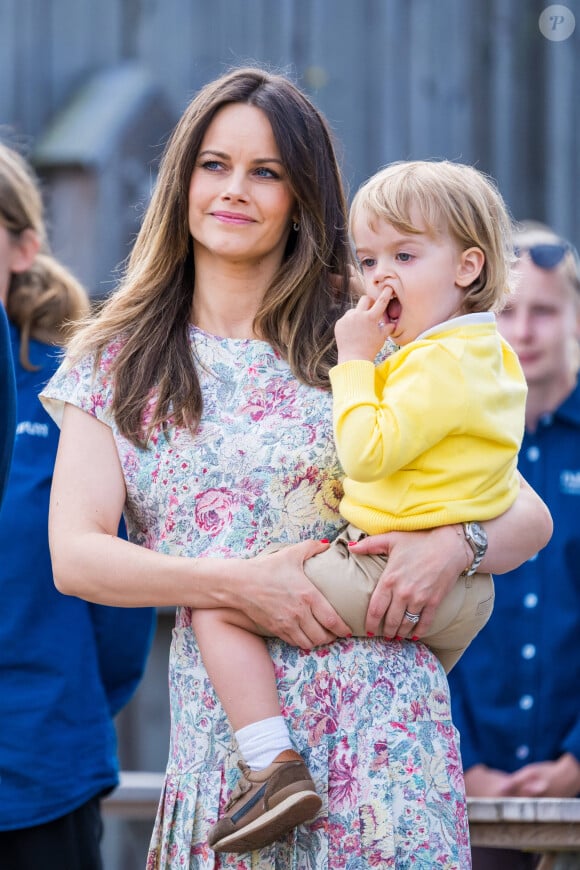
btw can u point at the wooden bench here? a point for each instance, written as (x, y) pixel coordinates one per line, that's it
(550, 826)
(547, 825)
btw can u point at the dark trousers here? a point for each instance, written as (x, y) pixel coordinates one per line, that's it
(69, 843)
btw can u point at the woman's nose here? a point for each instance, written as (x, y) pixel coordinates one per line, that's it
(235, 188)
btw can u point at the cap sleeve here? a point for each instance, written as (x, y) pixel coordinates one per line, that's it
(79, 384)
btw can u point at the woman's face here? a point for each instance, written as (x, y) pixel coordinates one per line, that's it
(241, 205)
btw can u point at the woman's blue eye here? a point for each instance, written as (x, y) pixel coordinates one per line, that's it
(212, 165)
(264, 172)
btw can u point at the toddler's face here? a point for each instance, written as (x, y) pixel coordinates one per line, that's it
(420, 270)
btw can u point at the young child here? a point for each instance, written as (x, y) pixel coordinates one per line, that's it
(428, 437)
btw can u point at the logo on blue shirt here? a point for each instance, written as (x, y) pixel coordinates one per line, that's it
(570, 482)
(26, 427)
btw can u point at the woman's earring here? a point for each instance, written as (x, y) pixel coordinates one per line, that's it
(295, 226)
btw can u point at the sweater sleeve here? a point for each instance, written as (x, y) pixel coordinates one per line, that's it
(382, 423)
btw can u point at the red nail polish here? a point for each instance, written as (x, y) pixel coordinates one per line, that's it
(398, 637)
(352, 543)
(415, 637)
(370, 634)
(348, 636)
(324, 541)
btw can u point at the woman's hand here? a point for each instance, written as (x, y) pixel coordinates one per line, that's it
(275, 593)
(422, 568)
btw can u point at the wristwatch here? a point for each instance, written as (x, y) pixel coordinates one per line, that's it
(476, 537)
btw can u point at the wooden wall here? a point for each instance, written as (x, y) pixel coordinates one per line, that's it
(472, 80)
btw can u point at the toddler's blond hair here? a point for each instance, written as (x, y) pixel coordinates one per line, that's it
(450, 198)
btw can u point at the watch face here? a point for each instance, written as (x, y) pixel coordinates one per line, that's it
(478, 534)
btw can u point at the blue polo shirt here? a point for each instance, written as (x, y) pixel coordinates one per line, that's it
(7, 402)
(66, 666)
(516, 691)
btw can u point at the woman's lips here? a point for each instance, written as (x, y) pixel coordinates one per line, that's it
(229, 217)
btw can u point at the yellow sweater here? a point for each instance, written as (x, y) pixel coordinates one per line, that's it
(431, 435)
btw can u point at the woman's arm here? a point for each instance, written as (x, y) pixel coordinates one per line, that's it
(519, 533)
(91, 562)
(423, 566)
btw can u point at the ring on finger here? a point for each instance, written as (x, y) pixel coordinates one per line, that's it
(412, 617)
(381, 324)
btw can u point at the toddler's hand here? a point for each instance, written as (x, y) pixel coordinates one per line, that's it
(362, 331)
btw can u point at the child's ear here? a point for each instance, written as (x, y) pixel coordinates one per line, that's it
(469, 267)
(24, 250)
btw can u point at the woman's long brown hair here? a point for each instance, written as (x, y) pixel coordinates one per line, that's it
(151, 309)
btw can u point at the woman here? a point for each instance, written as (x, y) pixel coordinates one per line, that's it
(66, 666)
(198, 403)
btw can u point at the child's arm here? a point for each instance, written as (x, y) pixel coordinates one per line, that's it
(384, 419)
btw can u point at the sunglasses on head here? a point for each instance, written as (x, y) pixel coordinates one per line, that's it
(547, 255)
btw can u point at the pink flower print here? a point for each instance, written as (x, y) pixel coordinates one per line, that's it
(461, 814)
(201, 849)
(97, 401)
(381, 758)
(149, 408)
(258, 405)
(343, 786)
(275, 397)
(337, 835)
(213, 510)
(379, 859)
(417, 710)
(320, 716)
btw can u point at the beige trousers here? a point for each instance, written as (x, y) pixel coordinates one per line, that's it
(348, 580)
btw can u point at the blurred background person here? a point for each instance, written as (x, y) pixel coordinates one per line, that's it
(66, 666)
(520, 722)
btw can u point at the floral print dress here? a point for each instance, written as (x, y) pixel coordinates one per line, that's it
(371, 717)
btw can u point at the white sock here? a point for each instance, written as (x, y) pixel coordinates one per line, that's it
(261, 742)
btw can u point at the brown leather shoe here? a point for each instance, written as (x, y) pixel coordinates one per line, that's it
(266, 804)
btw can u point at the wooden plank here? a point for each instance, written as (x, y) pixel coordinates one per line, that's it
(535, 836)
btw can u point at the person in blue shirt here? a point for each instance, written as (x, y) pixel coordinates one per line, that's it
(520, 721)
(7, 401)
(66, 666)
